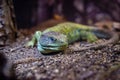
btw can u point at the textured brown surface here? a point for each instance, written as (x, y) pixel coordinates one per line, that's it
(89, 64)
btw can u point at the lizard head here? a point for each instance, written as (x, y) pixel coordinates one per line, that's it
(52, 42)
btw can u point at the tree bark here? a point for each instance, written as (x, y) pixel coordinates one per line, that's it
(8, 27)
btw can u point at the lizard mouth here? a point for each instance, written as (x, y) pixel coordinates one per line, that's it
(49, 49)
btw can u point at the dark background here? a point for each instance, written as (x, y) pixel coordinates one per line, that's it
(30, 13)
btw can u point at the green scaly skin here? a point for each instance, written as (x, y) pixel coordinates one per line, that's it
(58, 37)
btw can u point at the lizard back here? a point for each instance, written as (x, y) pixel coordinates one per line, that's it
(73, 31)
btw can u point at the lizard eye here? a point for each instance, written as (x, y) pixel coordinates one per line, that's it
(53, 39)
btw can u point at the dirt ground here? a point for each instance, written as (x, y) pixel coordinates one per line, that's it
(30, 64)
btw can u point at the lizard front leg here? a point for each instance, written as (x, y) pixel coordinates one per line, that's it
(35, 39)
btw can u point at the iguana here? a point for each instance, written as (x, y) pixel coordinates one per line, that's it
(57, 38)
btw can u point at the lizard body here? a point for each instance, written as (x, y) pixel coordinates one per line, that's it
(58, 37)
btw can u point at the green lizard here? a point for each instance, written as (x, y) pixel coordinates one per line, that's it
(58, 37)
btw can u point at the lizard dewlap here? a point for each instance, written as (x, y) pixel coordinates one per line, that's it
(58, 37)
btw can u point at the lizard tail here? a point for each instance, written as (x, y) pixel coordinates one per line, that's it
(114, 38)
(101, 34)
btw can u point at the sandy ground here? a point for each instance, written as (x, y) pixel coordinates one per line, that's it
(30, 64)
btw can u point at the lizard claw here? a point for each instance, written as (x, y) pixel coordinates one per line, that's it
(29, 44)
